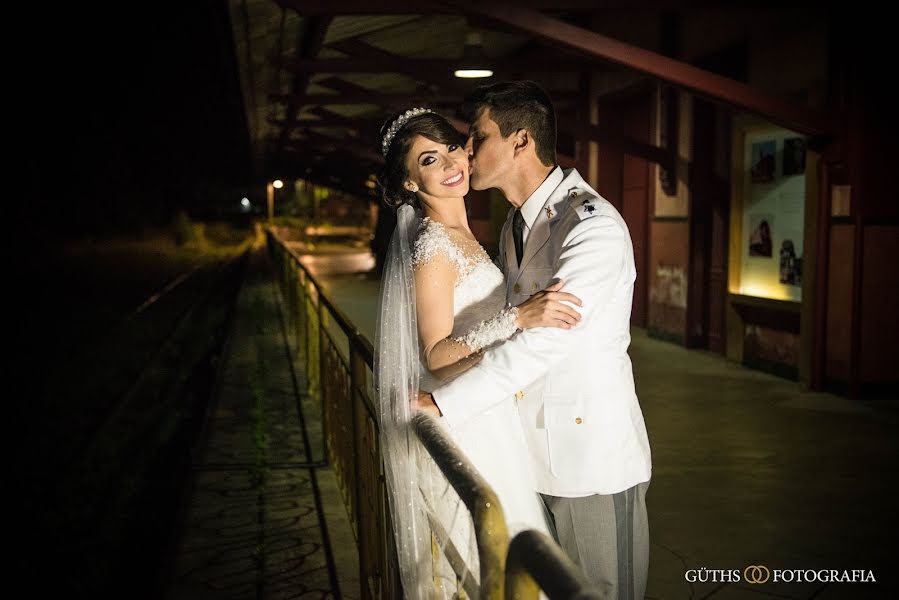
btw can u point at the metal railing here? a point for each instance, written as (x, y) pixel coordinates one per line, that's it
(337, 360)
(491, 534)
(536, 562)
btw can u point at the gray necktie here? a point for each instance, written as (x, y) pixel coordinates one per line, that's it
(517, 232)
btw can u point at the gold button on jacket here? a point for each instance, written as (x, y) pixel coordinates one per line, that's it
(519, 395)
(578, 420)
(516, 288)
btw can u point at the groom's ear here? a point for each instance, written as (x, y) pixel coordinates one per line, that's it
(521, 141)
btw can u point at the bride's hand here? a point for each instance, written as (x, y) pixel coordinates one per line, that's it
(425, 402)
(546, 309)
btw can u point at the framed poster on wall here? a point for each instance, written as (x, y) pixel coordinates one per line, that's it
(773, 214)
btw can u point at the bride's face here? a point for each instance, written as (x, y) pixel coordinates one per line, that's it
(437, 170)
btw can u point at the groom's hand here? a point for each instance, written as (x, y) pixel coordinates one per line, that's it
(549, 307)
(425, 402)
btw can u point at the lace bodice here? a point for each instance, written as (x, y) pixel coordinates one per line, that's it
(479, 294)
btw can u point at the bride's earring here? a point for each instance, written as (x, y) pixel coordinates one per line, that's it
(413, 188)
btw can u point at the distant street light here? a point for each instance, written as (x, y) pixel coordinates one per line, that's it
(270, 197)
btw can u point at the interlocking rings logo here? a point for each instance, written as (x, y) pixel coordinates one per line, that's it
(756, 574)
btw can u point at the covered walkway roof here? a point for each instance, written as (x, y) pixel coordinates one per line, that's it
(319, 78)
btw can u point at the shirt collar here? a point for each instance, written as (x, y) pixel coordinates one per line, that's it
(530, 210)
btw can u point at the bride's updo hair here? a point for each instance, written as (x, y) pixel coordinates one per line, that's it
(428, 124)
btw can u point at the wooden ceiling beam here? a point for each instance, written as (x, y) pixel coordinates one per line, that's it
(588, 43)
(373, 98)
(366, 128)
(340, 161)
(347, 144)
(422, 67)
(406, 7)
(303, 164)
(393, 100)
(342, 85)
(362, 141)
(434, 80)
(362, 128)
(352, 93)
(313, 36)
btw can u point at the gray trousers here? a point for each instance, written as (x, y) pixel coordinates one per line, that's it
(608, 537)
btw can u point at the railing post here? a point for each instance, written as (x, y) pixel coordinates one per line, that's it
(299, 306)
(355, 378)
(307, 322)
(370, 567)
(313, 357)
(321, 363)
(292, 295)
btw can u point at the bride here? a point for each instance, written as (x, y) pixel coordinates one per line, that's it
(443, 302)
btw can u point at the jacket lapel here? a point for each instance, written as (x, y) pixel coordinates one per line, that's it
(542, 225)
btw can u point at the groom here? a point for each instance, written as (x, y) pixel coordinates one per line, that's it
(575, 389)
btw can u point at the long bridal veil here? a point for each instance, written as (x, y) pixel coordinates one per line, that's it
(396, 371)
(420, 497)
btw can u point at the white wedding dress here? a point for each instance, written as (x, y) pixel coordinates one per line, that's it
(493, 441)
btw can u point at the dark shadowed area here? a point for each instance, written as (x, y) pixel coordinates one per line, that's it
(139, 114)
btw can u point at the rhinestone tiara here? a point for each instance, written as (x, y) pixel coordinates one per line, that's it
(398, 124)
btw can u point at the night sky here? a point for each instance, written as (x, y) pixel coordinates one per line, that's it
(130, 115)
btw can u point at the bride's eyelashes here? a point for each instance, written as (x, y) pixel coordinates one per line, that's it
(427, 160)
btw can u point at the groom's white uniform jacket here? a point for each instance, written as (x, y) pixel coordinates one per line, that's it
(574, 388)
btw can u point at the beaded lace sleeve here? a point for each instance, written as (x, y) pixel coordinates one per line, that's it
(438, 265)
(500, 327)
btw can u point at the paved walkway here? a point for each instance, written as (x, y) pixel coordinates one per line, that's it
(264, 519)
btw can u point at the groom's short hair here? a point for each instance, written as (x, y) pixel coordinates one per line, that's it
(518, 105)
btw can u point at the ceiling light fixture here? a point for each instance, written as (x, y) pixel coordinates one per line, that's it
(474, 60)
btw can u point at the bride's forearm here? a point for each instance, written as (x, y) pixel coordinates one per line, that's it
(449, 357)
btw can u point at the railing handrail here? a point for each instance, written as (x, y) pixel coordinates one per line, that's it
(491, 533)
(536, 562)
(355, 337)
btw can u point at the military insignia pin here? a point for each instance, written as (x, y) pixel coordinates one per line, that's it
(549, 212)
(588, 207)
